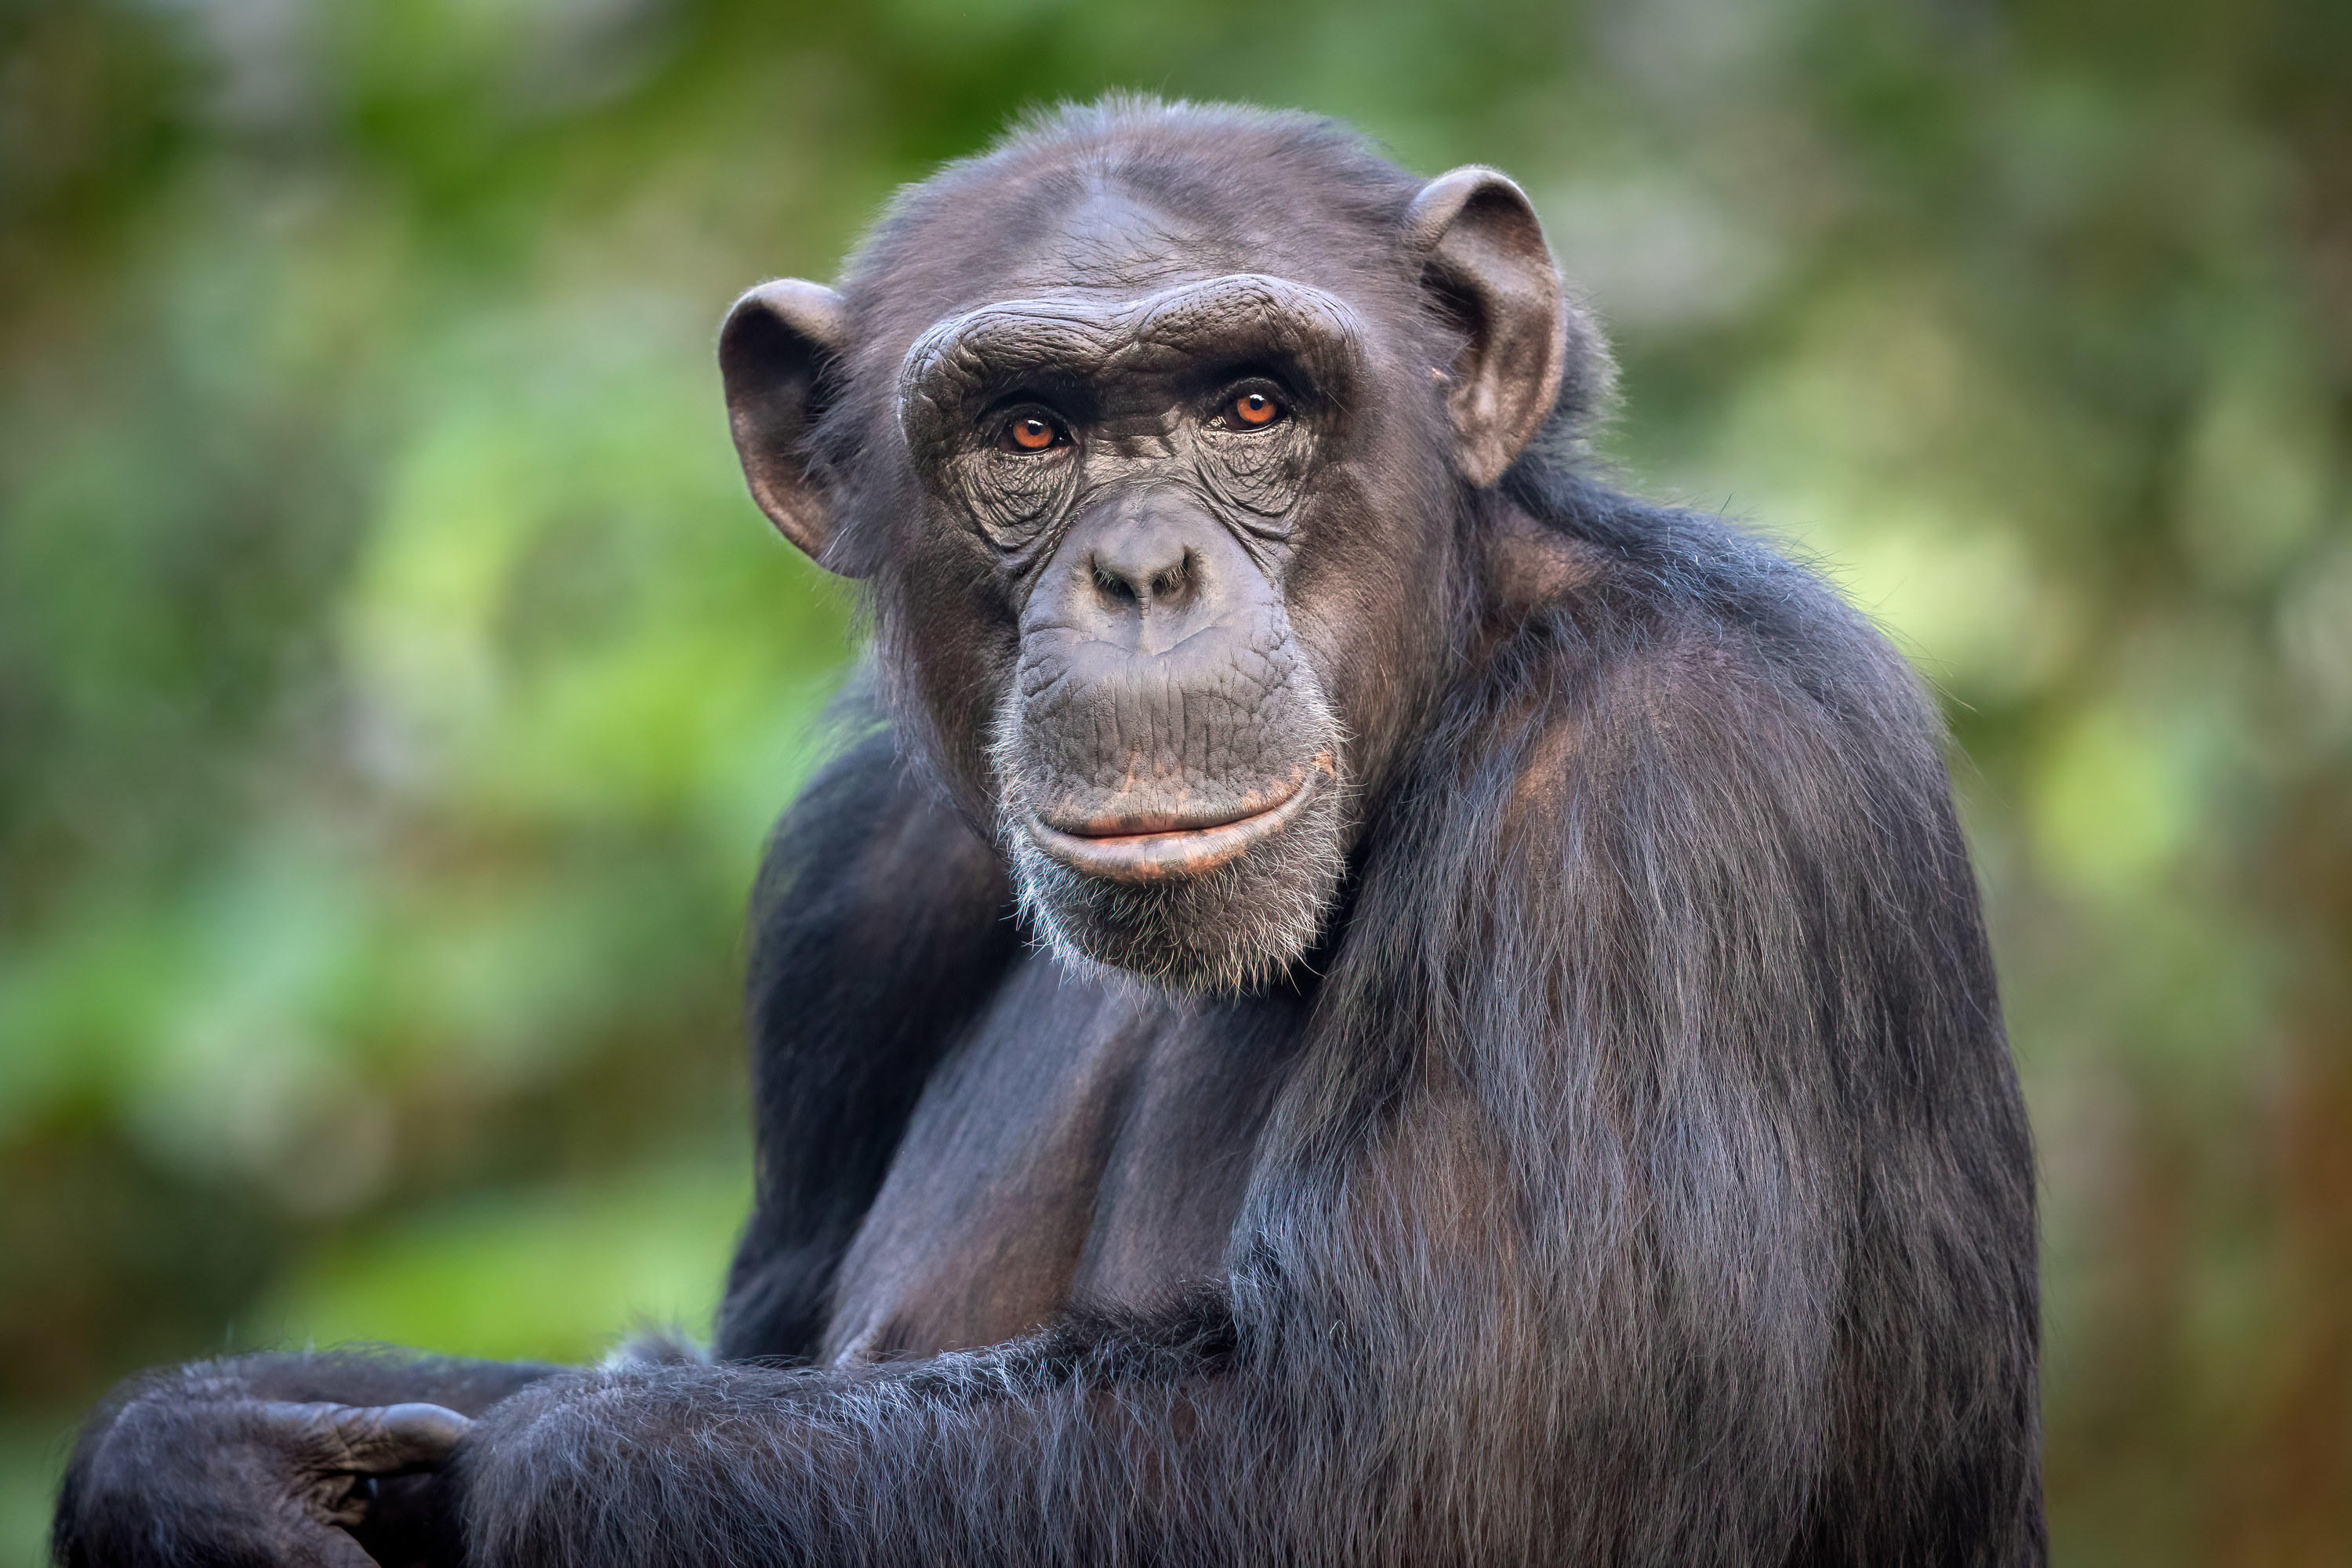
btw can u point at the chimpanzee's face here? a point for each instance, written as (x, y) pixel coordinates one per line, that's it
(1174, 571)
(1147, 473)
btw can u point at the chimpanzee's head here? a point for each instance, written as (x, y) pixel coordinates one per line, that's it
(1158, 435)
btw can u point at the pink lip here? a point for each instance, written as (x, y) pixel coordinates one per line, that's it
(1183, 847)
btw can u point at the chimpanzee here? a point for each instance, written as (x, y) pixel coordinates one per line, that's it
(1354, 995)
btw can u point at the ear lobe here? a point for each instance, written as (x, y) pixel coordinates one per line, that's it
(1483, 257)
(778, 353)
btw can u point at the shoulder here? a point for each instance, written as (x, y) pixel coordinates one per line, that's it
(868, 829)
(872, 883)
(1675, 600)
(1685, 671)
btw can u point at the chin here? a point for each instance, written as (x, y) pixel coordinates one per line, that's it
(1196, 920)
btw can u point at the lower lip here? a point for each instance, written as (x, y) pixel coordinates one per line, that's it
(1188, 852)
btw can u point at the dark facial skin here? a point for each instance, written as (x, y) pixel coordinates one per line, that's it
(1140, 469)
(1190, 510)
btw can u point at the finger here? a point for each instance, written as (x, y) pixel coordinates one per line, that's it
(368, 1439)
(323, 1546)
(379, 1439)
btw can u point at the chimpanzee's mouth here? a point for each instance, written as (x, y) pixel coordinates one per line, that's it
(1151, 846)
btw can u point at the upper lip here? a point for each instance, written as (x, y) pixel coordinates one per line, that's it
(1150, 846)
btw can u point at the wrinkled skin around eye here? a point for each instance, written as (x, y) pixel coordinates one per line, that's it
(1128, 353)
(1262, 471)
(1012, 496)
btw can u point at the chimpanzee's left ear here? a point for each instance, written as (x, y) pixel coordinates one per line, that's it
(1485, 260)
(779, 354)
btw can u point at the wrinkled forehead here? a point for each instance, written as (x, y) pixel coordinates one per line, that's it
(1088, 335)
(1115, 241)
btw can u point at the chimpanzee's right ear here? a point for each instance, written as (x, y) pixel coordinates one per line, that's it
(779, 353)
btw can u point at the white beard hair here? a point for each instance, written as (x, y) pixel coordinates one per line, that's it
(1232, 928)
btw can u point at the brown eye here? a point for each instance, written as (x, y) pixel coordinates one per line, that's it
(1031, 432)
(1253, 410)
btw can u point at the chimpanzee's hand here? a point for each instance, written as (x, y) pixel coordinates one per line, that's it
(196, 1470)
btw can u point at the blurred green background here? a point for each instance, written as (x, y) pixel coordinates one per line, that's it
(396, 684)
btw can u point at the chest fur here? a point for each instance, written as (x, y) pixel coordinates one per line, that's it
(1084, 1143)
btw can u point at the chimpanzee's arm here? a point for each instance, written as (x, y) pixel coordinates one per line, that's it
(1105, 1440)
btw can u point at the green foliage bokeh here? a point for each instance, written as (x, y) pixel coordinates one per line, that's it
(396, 684)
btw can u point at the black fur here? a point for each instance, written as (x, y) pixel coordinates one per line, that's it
(876, 932)
(1634, 1172)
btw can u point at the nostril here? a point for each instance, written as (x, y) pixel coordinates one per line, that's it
(1113, 586)
(1158, 574)
(1169, 584)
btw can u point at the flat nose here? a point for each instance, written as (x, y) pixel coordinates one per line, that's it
(1138, 566)
(1144, 572)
